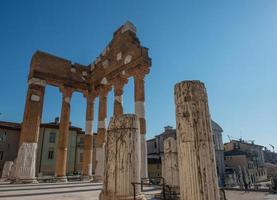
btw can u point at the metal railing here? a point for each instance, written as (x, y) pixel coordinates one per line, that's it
(167, 193)
(147, 182)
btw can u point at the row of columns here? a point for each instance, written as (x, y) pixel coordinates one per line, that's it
(32, 120)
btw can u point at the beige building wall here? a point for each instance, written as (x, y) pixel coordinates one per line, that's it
(9, 140)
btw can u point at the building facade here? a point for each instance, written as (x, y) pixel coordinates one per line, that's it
(47, 146)
(155, 151)
(247, 161)
(9, 140)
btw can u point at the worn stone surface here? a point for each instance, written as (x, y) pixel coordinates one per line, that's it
(122, 158)
(196, 157)
(99, 169)
(25, 169)
(170, 169)
(88, 152)
(6, 170)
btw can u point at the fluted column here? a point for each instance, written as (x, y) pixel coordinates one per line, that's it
(26, 157)
(196, 157)
(101, 132)
(88, 142)
(122, 158)
(140, 112)
(61, 154)
(118, 95)
(170, 168)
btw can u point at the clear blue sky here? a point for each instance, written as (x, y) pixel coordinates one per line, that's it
(230, 45)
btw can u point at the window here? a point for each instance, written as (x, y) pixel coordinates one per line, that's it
(81, 157)
(3, 137)
(155, 144)
(50, 155)
(81, 141)
(1, 155)
(52, 138)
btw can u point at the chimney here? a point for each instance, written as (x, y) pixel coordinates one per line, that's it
(57, 120)
(168, 128)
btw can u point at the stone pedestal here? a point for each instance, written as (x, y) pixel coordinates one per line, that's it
(99, 169)
(6, 171)
(170, 169)
(122, 158)
(25, 169)
(196, 155)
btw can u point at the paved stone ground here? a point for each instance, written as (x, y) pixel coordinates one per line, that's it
(237, 195)
(90, 191)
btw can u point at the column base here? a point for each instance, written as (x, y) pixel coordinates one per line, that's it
(87, 178)
(25, 181)
(4, 180)
(60, 179)
(97, 178)
(103, 196)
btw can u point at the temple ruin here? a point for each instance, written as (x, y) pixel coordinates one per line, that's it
(123, 57)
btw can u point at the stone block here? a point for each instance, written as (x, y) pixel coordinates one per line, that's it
(25, 169)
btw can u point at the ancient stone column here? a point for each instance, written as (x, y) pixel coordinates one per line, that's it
(26, 157)
(140, 112)
(118, 95)
(61, 154)
(122, 158)
(6, 172)
(196, 157)
(170, 169)
(88, 142)
(101, 132)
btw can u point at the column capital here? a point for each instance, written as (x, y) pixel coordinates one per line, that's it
(90, 94)
(37, 81)
(104, 90)
(118, 83)
(66, 91)
(139, 72)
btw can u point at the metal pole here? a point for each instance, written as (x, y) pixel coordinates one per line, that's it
(134, 190)
(164, 190)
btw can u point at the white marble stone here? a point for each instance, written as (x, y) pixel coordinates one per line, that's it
(102, 124)
(37, 81)
(89, 127)
(196, 156)
(105, 64)
(67, 99)
(25, 169)
(119, 99)
(144, 165)
(119, 56)
(7, 170)
(140, 109)
(35, 97)
(170, 169)
(122, 157)
(73, 70)
(127, 59)
(128, 26)
(104, 81)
